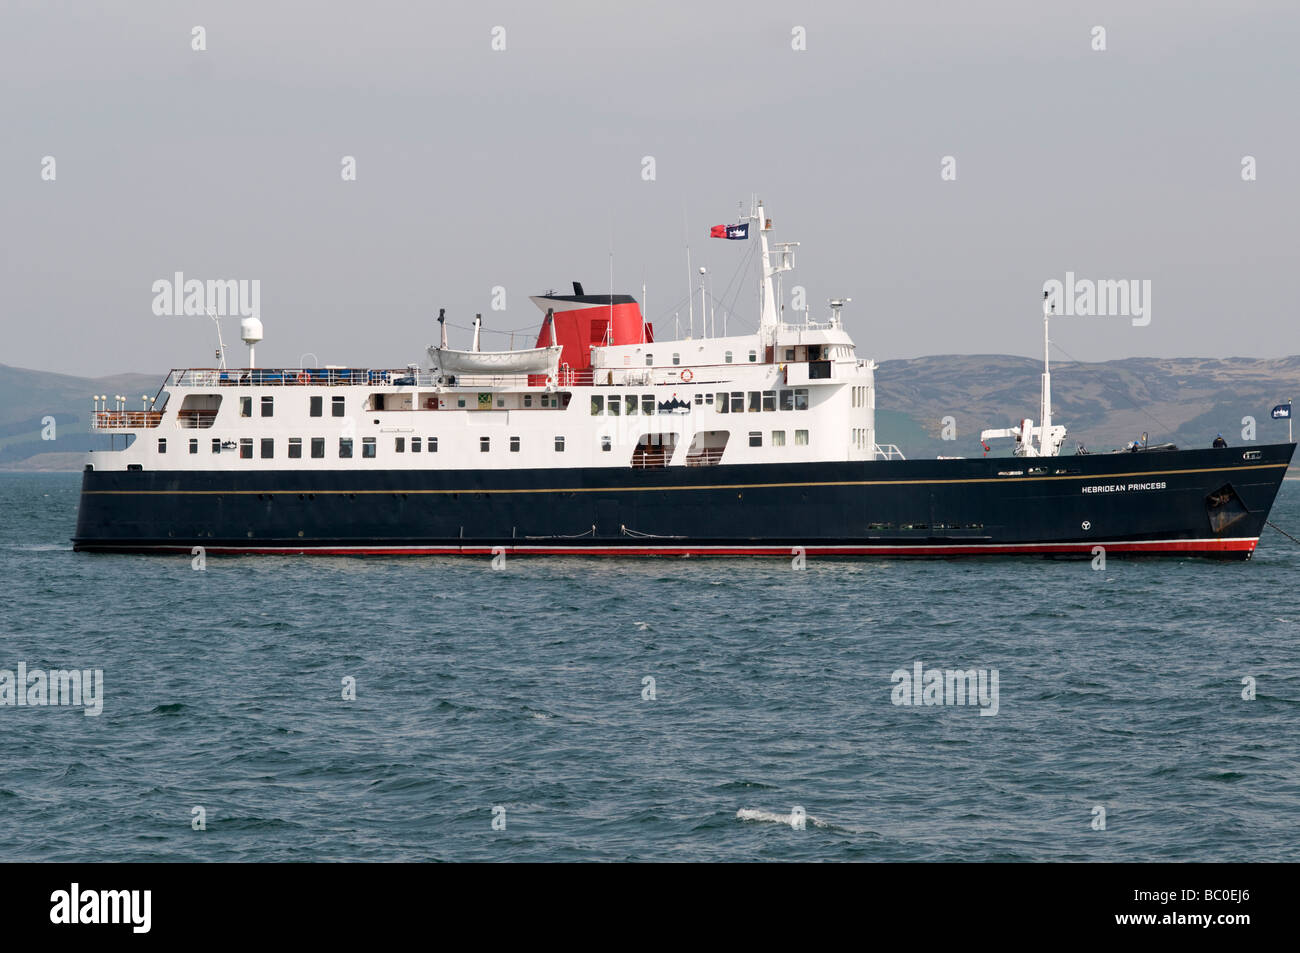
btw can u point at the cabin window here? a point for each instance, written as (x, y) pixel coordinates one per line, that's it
(345, 448)
(778, 438)
(316, 406)
(789, 354)
(699, 399)
(216, 444)
(246, 448)
(737, 402)
(755, 402)
(649, 360)
(399, 444)
(432, 444)
(630, 404)
(484, 444)
(268, 406)
(514, 444)
(648, 404)
(528, 400)
(723, 405)
(606, 444)
(268, 448)
(415, 444)
(368, 448)
(769, 400)
(708, 398)
(194, 446)
(615, 405)
(727, 357)
(295, 448)
(801, 398)
(246, 406)
(336, 406)
(559, 444)
(597, 405)
(677, 358)
(162, 444)
(753, 356)
(460, 401)
(801, 438)
(318, 448)
(755, 438)
(787, 400)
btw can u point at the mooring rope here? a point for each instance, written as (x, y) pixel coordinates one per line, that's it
(1283, 532)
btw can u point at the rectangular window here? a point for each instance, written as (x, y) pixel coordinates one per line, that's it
(514, 444)
(727, 357)
(755, 402)
(801, 438)
(778, 438)
(268, 406)
(559, 444)
(769, 400)
(699, 399)
(737, 402)
(432, 443)
(484, 444)
(723, 405)
(162, 444)
(268, 448)
(528, 400)
(629, 403)
(316, 405)
(708, 398)
(399, 444)
(460, 401)
(753, 356)
(755, 438)
(336, 406)
(246, 448)
(368, 448)
(677, 358)
(597, 405)
(787, 400)
(606, 444)
(245, 406)
(318, 448)
(415, 444)
(216, 444)
(345, 448)
(649, 360)
(801, 398)
(615, 405)
(295, 448)
(789, 354)
(648, 404)
(194, 446)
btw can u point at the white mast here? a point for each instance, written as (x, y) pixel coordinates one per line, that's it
(1045, 408)
(767, 320)
(478, 320)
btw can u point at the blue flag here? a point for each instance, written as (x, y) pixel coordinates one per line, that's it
(733, 232)
(1282, 411)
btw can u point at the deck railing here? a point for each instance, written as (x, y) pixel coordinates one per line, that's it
(125, 419)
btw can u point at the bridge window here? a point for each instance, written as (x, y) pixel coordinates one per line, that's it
(246, 448)
(268, 406)
(246, 406)
(295, 448)
(315, 403)
(162, 444)
(514, 444)
(801, 438)
(318, 448)
(268, 448)
(345, 448)
(368, 448)
(336, 406)
(755, 438)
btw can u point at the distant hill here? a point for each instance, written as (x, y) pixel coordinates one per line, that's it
(1104, 405)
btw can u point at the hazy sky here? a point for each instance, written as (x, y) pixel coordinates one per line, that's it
(518, 168)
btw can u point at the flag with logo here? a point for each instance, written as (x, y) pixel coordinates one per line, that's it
(1282, 411)
(732, 232)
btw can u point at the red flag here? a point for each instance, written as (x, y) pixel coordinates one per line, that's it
(718, 231)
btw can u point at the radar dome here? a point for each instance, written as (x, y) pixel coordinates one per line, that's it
(250, 329)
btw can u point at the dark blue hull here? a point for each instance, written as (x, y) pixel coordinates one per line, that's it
(1200, 502)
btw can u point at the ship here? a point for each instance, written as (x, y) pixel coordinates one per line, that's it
(603, 440)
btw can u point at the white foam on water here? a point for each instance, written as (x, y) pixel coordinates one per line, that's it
(753, 814)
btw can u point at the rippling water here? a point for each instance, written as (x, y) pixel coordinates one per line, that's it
(523, 690)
